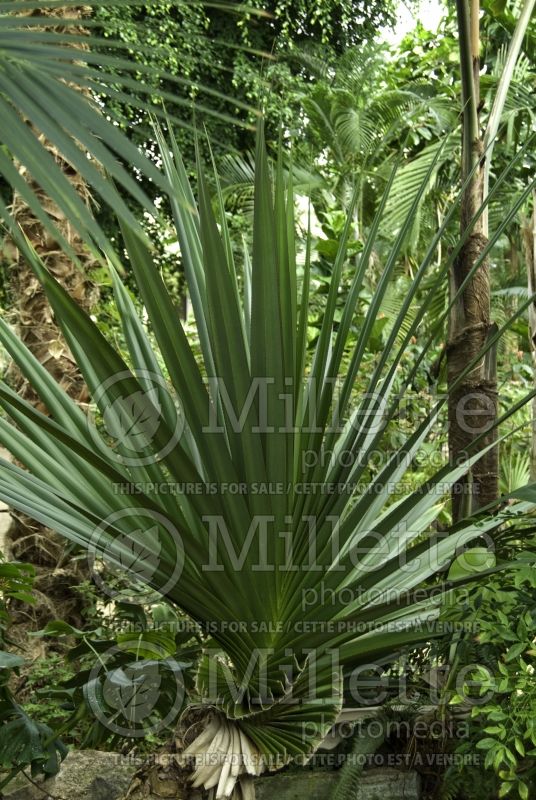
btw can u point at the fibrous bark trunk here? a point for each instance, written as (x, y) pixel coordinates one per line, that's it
(472, 400)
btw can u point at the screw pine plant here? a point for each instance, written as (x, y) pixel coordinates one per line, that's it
(231, 484)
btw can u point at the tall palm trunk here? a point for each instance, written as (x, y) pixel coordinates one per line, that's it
(473, 400)
(472, 403)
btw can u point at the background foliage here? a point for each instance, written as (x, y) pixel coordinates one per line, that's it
(351, 105)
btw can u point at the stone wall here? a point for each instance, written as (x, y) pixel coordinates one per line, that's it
(93, 775)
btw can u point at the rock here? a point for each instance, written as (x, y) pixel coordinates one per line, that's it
(305, 785)
(84, 775)
(6, 524)
(6, 520)
(94, 775)
(389, 784)
(374, 784)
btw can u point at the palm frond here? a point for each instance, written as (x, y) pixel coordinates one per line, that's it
(252, 436)
(409, 179)
(52, 71)
(515, 472)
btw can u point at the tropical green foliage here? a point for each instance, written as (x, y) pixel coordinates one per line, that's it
(142, 659)
(264, 468)
(500, 679)
(24, 741)
(269, 475)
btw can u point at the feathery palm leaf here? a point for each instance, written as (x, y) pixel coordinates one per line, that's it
(408, 181)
